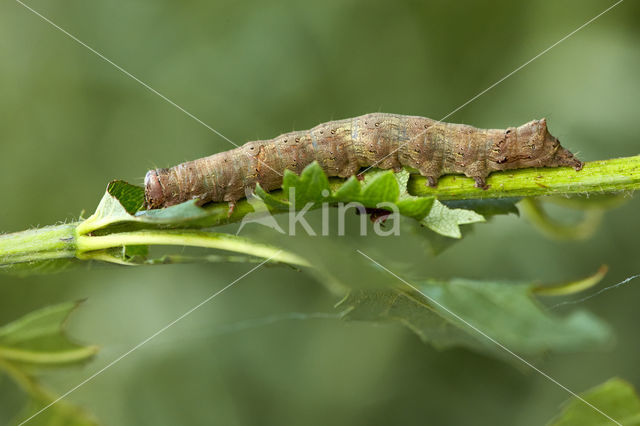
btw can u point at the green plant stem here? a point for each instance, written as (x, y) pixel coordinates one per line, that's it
(597, 177)
(618, 174)
(87, 244)
(65, 241)
(50, 242)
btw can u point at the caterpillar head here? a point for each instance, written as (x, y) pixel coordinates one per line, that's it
(153, 193)
(531, 145)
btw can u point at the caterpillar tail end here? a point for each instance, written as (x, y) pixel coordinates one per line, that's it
(153, 194)
(565, 158)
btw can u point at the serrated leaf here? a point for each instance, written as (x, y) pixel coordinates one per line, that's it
(379, 187)
(415, 208)
(348, 191)
(270, 200)
(312, 186)
(446, 221)
(615, 397)
(507, 312)
(131, 197)
(39, 339)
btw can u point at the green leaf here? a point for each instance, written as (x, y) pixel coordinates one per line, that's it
(312, 186)
(270, 200)
(615, 397)
(446, 221)
(113, 211)
(130, 196)
(347, 191)
(39, 339)
(379, 187)
(107, 236)
(506, 312)
(410, 205)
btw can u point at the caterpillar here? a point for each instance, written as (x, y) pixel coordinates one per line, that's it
(343, 147)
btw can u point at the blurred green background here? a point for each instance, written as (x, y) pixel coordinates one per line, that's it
(70, 122)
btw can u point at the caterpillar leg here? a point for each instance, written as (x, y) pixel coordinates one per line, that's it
(480, 182)
(431, 172)
(232, 206)
(432, 181)
(477, 171)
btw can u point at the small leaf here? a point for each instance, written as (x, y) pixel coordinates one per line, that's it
(174, 215)
(312, 186)
(270, 200)
(410, 205)
(416, 208)
(130, 196)
(615, 397)
(120, 245)
(39, 339)
(113, 213)
(134, 252)
(348, 191)
(506, 312)
(446, 221)
(379, 187)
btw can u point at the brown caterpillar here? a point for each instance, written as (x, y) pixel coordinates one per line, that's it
(343, 147)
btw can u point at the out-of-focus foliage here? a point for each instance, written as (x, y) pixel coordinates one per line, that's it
(616, 398)
(36, 341)
(477, 314)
